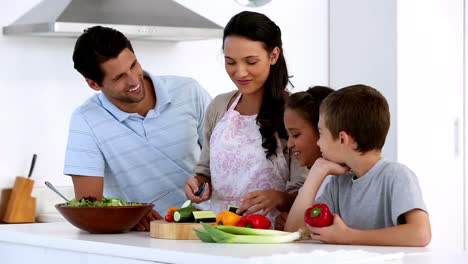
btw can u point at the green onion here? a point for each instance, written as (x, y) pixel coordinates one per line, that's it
(222, 237)
(203, 235)
(250, 231)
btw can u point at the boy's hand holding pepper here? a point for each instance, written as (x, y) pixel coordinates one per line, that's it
(337, 233)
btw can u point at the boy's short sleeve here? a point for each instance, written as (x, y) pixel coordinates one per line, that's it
(326, 192)
(406, 194)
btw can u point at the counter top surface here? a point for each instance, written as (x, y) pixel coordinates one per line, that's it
(140, 246)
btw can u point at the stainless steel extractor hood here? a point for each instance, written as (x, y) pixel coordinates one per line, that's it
(137, 19)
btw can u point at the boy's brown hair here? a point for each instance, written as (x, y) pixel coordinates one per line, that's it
(362, 112)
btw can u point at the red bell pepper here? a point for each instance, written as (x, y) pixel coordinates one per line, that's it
(254, 221)
(318, 215)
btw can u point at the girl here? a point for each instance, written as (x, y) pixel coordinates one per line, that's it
(301, 119)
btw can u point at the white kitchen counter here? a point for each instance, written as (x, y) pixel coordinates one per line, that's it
(63, 243)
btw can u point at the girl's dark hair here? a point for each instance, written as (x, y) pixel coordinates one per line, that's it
(307, 104)
(97, 45)
(258, 27)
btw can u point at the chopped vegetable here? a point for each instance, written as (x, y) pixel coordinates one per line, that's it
(222, 237)
(169, 218)
(91, 201)
(318, 215)
(186, 204)
(185, 214)
(232, 208)
(254, 221)
(227, 218)
(204, 216)
(171, 210)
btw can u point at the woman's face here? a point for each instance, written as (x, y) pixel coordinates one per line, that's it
(247, 63)
(302, 139)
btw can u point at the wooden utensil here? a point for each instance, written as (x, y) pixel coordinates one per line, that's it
(172, 230)
(21, 206)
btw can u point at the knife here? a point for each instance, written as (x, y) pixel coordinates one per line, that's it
(33, 162)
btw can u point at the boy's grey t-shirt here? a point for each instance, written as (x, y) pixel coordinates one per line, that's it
(376, 200)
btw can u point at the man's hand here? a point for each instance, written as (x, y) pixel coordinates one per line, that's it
(337, 233)
(191, 189)
(144, 224)
(265, 200)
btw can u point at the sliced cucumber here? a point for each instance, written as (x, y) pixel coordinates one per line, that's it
(204, 216)
(184, 214)
(186, 204)
(232, 208)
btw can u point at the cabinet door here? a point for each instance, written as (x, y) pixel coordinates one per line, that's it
(430, 97)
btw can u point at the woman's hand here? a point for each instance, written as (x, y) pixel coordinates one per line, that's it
(191, 188)
(265, 200)
(280, 221)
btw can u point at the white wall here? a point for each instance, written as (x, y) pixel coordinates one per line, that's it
(363, 51)
(41, 88)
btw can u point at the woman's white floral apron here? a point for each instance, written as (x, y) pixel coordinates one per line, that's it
(238, 163)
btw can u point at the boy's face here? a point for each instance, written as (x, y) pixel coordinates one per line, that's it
(302, 138)
(331, 148)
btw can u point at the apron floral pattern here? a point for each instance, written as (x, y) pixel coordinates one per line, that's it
(238, 163)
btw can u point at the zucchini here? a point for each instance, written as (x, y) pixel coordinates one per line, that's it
(204, 216)
(186, 204)
(185, 214)
(232, 208)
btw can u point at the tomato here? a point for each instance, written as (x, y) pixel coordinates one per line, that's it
(169, 218)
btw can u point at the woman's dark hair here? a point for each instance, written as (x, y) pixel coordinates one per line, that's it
(95, 46)
(307, 104)
(258, 27)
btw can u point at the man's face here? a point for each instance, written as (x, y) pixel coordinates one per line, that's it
(123, 80)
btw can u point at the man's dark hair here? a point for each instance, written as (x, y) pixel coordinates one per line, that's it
(95, 46)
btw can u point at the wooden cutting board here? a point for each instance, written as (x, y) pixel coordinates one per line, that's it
(172, 230)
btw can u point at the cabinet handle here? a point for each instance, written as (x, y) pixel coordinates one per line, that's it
(456, 147)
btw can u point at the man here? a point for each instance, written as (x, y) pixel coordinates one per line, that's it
(140, 137)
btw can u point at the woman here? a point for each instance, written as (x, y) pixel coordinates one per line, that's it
(244, 157)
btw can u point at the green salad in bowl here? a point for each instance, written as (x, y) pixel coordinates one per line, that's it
(106, 201)
(111, 215)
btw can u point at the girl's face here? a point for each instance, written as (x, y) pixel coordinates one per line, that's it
(302, 139)
(248, 63)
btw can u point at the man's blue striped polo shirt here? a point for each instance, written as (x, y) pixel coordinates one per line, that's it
(141, 157)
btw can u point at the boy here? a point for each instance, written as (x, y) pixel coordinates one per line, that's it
(374, 201)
